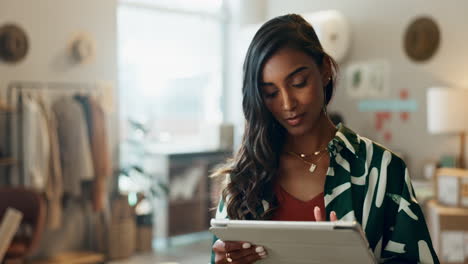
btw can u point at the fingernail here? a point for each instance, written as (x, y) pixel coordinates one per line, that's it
(264, 256)
(261, 254)
(246, 245)
(316, 208)
(259, 249)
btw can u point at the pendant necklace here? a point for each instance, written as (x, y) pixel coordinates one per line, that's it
(313, 165)
(316, 153)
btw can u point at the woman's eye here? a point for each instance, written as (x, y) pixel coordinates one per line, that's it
(271, 95)
(301, 84)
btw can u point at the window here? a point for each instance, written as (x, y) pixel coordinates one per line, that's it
(170, 69)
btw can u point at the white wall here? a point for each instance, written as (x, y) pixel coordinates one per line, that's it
(378, 28)
(50, 24)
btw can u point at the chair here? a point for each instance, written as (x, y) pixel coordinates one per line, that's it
(32, 205)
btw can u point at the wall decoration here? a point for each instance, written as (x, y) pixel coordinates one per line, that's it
(384, 109)
(333, 30)
(368, 79)
(82, 48)
(390, 105)
(380, 118)
(14, 44)
(388, 136)
(422, 38)
(404, 116)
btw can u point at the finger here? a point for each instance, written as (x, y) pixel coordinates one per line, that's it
(231, 246)
(317, 214)
(239, 254)
(257, 255)
(228, 246)
(218, 246)
(333, 216)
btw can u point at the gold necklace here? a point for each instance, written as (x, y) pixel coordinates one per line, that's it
(302, 155)
(313, 166)
(316, 153)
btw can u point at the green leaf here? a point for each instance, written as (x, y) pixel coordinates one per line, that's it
(164, 187)
(154, 193)
(124, 172)
(139, 169)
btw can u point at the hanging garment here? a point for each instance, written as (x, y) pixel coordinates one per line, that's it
(74, 143)
(54, 187)
(15, 128)
(35, 145)
(96, 120)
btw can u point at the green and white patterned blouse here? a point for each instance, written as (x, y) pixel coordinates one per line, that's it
(369, 184)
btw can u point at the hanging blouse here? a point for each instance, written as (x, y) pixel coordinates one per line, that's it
(75, 149)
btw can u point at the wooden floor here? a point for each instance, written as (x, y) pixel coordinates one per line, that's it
(193, 252)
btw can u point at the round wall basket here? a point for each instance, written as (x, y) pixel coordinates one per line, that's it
(14, 43)
(83, 48)
(422, 39)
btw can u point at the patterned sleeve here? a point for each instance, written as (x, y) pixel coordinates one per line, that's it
(406, 237)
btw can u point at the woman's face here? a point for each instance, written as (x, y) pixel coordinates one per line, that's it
(292, 88)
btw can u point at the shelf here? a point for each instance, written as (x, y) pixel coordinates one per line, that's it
(7, 161)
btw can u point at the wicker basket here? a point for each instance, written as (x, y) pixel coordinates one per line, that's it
(122, 239)
(144, 240)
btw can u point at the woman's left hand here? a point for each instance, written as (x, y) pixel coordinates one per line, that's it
(318, 215)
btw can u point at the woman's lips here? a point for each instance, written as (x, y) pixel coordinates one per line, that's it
(295, 120)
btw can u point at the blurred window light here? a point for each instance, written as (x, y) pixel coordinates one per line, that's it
(208, 6)
(170, 68)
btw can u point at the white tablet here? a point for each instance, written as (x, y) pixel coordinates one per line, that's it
(300, 242)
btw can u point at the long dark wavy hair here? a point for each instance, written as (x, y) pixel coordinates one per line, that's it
(253, 169)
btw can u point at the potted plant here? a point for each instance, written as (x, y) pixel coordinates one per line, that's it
(141, 186)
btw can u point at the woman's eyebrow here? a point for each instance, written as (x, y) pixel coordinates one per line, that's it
(297, 71)
(302, 68)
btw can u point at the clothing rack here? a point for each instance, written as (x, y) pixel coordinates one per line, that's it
(15, 90)
(57, 86)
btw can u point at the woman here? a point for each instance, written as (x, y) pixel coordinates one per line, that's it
(294, 164)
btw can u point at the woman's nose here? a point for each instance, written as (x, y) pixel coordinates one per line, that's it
(289, 101)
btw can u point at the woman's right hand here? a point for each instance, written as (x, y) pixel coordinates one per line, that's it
(236, 252)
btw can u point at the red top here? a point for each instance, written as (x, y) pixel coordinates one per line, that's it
(292, 209)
